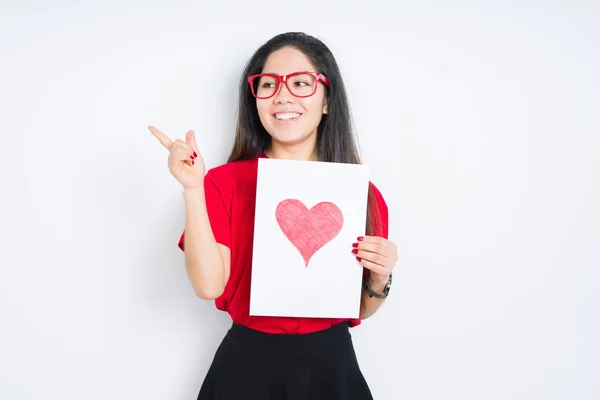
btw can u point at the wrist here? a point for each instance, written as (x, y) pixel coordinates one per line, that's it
(378, 286)
(378, 282)
(193, 192)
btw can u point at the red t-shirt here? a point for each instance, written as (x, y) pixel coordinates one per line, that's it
(230, 192)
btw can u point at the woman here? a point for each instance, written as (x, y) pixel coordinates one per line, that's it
(292, 105)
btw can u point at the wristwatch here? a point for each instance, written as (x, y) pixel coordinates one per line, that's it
(386, 290)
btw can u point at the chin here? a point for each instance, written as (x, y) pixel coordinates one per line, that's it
(289, 137)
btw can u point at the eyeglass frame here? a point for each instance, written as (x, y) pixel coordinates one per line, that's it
(284, 78)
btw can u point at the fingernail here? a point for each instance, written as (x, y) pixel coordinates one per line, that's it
(193, 162)
(358, 258)
(195, 155)
(360, 238)
(354, 244)
(354, 251)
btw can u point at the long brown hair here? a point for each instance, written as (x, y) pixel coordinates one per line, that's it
(335, 138)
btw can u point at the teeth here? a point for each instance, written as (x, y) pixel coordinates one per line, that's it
(285, 117)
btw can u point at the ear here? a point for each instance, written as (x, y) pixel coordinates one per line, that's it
(325, 107)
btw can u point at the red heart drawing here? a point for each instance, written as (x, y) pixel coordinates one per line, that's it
(309, 230)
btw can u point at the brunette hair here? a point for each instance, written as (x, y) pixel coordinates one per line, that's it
(335, 139)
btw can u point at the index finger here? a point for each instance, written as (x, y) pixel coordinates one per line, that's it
(162, 138)
(375, 240)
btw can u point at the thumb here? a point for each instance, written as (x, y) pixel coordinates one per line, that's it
(190, 139)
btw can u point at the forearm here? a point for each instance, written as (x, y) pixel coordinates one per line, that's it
(369, 305)
(204, 261)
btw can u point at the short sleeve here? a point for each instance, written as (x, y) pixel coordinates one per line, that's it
(219, 213)
(379, 211)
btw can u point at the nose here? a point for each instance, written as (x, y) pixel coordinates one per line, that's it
(283, 95)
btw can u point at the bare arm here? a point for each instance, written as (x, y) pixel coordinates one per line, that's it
(369, 305)
(207, 262)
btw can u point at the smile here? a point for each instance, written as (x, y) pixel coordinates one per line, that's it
(286, 116)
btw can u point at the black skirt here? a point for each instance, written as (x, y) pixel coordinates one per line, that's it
(250, 364)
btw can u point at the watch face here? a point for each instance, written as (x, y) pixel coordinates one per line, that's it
(388, 286)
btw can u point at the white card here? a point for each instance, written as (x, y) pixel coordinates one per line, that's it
(308, 214)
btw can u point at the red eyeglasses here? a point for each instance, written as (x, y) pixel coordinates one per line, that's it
(300, 84)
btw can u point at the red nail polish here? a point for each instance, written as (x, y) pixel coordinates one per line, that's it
(354, 251)
(193, 162)
(358, 258)
(360, 238)
(354, 244)
(195, 155)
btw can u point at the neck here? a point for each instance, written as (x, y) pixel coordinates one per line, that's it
(300, 151)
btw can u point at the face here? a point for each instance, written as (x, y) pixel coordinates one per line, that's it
(288, 119)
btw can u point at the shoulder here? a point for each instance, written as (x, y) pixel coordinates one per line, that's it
(226, 175)
(228, 169)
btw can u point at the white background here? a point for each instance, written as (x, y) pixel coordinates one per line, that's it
(479, 121)
(330, 286)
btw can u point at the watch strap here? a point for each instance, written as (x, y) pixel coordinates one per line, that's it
(383, 295)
